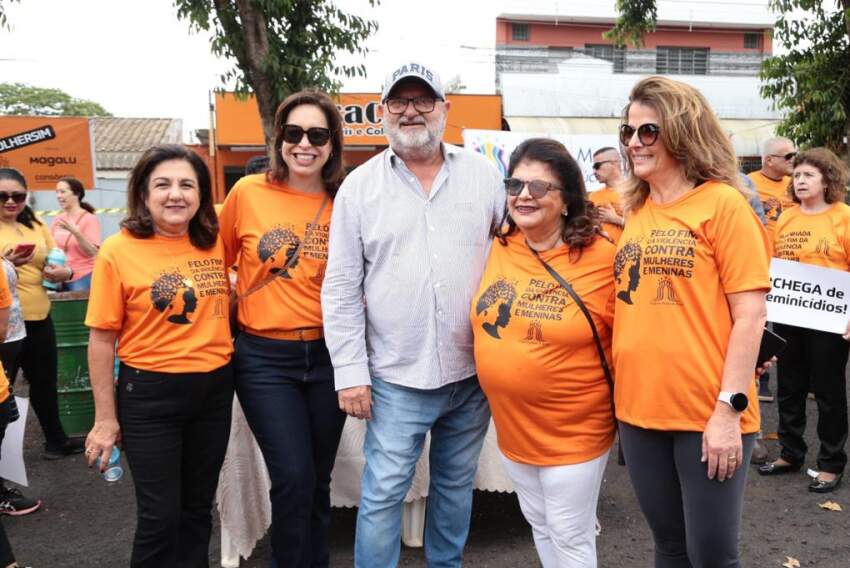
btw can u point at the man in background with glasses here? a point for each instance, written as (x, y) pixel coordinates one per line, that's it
(772, 179)
(409, 238)
(608, 170)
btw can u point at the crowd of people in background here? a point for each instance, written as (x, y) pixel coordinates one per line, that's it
(424, 294)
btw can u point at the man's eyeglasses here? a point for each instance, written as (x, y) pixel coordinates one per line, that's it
(786, 157)
(647, 133)
(597, 165)
(16, 197)
(536, 187)
(317, 136)
(397, 105)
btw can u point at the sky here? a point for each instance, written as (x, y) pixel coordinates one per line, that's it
(136, 59)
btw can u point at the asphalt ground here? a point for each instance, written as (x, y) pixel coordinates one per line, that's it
(86, 522)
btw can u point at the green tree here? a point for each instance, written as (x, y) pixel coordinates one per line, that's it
(21, 99)
(4, 21)
(810, 82)
(280, 46)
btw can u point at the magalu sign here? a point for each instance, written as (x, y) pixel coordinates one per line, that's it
(238, 121)
(46, 148)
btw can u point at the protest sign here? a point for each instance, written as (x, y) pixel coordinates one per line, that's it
(497, 146)
(12, 463)
(808, 296)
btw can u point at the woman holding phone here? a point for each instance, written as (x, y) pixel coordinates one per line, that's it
(25, 242)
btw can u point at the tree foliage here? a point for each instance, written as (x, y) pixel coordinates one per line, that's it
(635, 18)
(4, 21)
(811, 80)
(21, 99)
(280, 46)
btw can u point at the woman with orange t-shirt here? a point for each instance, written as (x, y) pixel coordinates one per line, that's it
(535, 352)
(817, 232)
(275, 227)
(160, 289)
(692, 273)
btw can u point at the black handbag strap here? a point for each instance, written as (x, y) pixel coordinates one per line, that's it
(577, 299)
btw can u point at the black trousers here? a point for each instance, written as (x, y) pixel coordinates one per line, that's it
(6, 555)
(695, 521)
(286, 389)
(175, 428)
(38, 359)
(814, 361)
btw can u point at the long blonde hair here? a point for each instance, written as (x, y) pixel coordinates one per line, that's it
(690, 132)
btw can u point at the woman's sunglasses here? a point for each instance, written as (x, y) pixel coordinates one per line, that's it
(16, 197)
(292, 134)
(536, 187)
(647, 133)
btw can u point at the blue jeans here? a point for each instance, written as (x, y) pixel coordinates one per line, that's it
(457, 416)
(78, 285)
(286, 389)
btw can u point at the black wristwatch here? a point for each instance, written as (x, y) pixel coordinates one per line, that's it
(737, 400)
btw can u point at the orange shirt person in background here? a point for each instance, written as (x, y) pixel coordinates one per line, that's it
(691, 273)
(816, 232)
(535, 354)
(607, 169)
(159, 288)
(275, 228)
(772, 180)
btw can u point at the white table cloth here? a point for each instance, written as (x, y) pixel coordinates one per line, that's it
(243, 489)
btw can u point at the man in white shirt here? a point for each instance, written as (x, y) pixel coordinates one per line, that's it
(409, 238)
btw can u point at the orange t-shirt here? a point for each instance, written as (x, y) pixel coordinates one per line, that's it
(535, 355)
(609, 196)
(822, 238)
(674, 267)
(5, 304)
(262, 224)
(774, 197)
(167, 300)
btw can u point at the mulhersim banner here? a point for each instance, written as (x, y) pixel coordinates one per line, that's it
(46, 148)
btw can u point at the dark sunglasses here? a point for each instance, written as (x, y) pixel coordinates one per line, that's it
(647, 133)
(536, 187)
(597, 165)
(293, 134)
(786, 157)
(16, 197)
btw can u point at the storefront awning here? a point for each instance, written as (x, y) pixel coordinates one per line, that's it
(748, 135)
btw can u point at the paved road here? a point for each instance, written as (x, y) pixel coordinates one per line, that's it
(89, 523)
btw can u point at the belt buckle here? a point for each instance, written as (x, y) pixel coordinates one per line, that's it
(301, 334)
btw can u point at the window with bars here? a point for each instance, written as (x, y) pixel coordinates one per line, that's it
(519, 32)
(681, 60)
(616, 55)
(752, 40)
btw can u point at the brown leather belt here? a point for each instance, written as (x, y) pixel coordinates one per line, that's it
(303, 334)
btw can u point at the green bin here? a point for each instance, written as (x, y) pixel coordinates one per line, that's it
(76, 404)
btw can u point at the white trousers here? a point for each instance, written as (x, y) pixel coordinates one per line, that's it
(559, 502)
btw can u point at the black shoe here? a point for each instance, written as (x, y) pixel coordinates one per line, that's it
(765, 394)
(70, 447)
(774, 468)
(12, 502)
(760, 454)
(821, 486)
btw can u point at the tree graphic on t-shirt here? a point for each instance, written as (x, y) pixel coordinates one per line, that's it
(630, 254)
(500, 292)
(772, 208)
(272, 242)
(165, 290)
(822, 246)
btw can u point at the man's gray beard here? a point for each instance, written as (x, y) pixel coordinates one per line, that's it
(419, 145)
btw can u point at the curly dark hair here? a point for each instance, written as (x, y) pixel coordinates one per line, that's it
(581, 226)
(830, 166)
(203, 227)
(333, 171)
